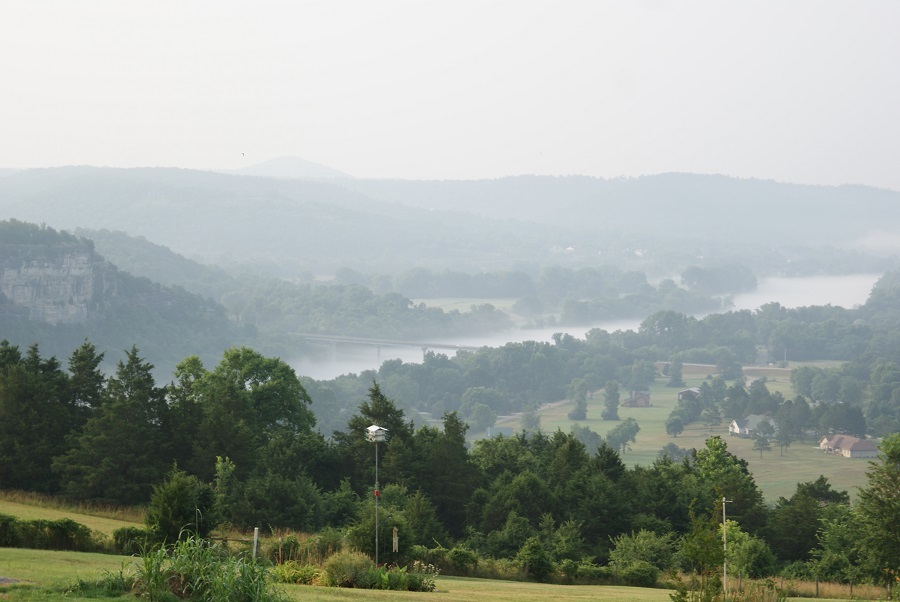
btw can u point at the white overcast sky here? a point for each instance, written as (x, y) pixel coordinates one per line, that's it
(801, 91)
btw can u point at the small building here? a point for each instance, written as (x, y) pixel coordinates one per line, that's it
(849, 447)
(638, 399)
(749, 426)
(693, 394)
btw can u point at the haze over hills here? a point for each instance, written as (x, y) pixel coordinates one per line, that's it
(295, 227)
(290, 168)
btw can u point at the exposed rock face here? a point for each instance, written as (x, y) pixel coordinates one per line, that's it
(60, 284)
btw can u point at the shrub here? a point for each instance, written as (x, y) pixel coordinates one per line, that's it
(422, 577)
(295, 572)
(639, 573)
(419, 578)
(62, 534)
(535, 559)
(129, 541)
(348, 569)
(180, 506)
(196, 569)
(463, 559)
(10, 536)
(592, 572)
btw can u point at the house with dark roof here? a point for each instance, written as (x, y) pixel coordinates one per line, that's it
(638, 399)
(693, 394)
(849, 447)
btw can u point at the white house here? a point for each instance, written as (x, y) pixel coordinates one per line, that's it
(749, 426)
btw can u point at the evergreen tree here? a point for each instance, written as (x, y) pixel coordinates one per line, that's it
(36, 415)
(120, 454)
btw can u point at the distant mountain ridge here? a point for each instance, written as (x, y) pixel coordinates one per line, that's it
(294, 227)
(290, 168)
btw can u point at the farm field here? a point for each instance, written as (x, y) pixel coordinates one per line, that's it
(776, 474)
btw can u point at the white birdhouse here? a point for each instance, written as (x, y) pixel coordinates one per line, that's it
(376, 434)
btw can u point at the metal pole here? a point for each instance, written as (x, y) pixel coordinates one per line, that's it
(376, 503)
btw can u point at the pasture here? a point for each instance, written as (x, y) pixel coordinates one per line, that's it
(776, 474)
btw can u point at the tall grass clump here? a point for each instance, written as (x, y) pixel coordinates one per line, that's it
(348, 569)
(196, 569)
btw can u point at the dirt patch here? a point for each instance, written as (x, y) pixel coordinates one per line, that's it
(7, 581)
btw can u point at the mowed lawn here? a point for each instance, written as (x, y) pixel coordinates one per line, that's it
(776, 474)
(462, 589)
(46, 569)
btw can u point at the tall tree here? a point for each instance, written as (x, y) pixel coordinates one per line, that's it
(36, 415)
(120, 454)
(623, 434)
(879, 510)
(248, 402)
(610, 401)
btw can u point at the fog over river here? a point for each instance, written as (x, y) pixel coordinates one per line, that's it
(844, 291)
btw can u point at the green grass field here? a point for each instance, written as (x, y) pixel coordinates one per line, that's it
(26, 511)
(43, 576)
(776, 474)
(38, 572)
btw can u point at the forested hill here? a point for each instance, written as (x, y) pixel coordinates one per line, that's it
(56, 291)
(288, 227)
(724, 209)
(264, 225)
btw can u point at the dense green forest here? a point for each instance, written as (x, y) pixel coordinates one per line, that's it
(244, 431)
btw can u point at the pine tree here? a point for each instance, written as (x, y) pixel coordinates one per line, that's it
(120, 454)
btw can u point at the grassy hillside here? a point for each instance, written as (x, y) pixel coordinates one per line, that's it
(26, 506)
(776, 474)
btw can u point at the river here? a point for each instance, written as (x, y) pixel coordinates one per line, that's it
(843, 291)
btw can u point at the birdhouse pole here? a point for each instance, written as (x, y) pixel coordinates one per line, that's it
(377, 435)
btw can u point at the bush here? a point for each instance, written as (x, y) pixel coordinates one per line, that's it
(314, 549)
(463, 559)
(295, 572)
(180, 506)
(535, 559)
(196, 569)
(422, 577)
(639, 573)
(62, 534)
(10, 536)
(129, 541)
(348, 569)
(593, 572)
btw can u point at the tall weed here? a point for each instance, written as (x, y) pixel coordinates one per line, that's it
(196, 569)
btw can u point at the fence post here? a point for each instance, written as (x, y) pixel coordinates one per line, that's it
(255, 541)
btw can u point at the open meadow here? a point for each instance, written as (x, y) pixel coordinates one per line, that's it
(16, 505)
(776, 474)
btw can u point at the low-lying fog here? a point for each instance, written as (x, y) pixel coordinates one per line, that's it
(843, 291)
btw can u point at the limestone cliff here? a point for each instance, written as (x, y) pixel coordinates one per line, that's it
(62, 283)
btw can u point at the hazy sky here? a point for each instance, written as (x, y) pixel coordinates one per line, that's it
(799, 91)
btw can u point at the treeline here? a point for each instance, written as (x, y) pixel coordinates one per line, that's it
(241, 437)
(578, 295)
(519, 377)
